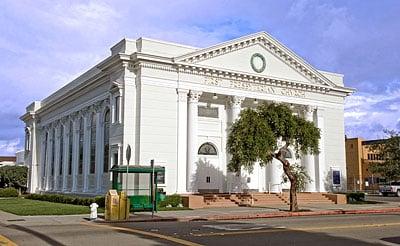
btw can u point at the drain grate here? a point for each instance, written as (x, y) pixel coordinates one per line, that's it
(16, 220)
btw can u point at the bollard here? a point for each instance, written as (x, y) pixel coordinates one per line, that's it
(93, 211)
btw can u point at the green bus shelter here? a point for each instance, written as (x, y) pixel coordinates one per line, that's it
(143, 193)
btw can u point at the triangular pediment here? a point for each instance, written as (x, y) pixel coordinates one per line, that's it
(258, 54)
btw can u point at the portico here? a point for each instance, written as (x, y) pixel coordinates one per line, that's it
(174, 104)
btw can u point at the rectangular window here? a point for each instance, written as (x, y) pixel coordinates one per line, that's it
(208, 179)
(336, 177)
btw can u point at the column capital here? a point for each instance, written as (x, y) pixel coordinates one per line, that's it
(194, 96)
(309, 108)
(235, 101)
(182, 94)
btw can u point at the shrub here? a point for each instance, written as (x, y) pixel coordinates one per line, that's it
(8, 192)
(355, 196)
(84, 201)
(173, 200)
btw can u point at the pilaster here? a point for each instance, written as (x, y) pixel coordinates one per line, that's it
(192, 138)
(182, 96)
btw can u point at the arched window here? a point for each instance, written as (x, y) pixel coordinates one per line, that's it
(93, 144)
(106, 159)
(207, 149)
(81, 132)
(60, 171)
(27, 140)
(288, 154)
(70, 139)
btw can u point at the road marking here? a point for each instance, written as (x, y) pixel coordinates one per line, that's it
(6, 241)
(227, 233)
(146, 233)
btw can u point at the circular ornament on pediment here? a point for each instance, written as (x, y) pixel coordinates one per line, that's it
(258, 63)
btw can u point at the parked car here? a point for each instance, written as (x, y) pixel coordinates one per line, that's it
(392, 188)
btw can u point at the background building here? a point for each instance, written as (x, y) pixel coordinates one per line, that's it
(175, 104)
(359, 158)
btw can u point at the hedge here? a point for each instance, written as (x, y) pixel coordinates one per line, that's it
(355, 196)
(76, 200)
(173, 200)
(9, 192)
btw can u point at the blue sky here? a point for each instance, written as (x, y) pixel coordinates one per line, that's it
(45, 44)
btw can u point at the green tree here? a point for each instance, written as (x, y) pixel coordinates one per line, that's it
(254, 138)
(388, 152)
(13, 176)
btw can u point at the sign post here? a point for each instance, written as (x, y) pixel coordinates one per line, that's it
(152, 188)
(128, 158)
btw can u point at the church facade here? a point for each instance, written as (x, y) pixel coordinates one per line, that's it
(174, 104)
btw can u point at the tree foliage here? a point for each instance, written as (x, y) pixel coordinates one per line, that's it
(254, 138)
(388, 152)
(13, 176)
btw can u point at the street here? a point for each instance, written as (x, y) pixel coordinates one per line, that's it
(383, 229)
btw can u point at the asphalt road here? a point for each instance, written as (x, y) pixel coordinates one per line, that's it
(380, 198)
(316, 230)
(322, 230)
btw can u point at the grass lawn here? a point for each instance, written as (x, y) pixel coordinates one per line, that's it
(21, 206)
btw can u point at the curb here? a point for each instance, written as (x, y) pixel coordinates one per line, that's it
(257, 215)
(297, 214)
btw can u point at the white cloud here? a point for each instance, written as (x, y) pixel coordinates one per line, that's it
(9, 147)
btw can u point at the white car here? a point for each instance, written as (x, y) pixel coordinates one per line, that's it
(392, 188)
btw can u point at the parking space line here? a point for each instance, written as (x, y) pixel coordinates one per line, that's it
(227, 233)
(145, 233)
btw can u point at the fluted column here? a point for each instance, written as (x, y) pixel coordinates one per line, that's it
(192, 138)
(235, 106)
(309, 160)
(49, 158)
(43, 157)
(99, 150)
(75, 154)
(182, 95)
(86, 151)
(65, 155)
(56, 156)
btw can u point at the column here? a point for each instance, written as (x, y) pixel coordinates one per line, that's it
(65, 155)
(99, 150)
(308, 160)
(49, 156)
(75, 154)
(86, 151)
(182, 141)
(235, 106)
(34, 176)
(192, 141)
(43, 158)
(56, 156)
(320, 158)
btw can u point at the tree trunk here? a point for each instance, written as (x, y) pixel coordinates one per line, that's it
(292, 178)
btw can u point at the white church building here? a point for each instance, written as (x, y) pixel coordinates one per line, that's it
(174, 103)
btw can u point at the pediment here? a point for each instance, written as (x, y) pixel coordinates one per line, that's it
(258, 54)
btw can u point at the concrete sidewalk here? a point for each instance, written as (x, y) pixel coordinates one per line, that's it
(233, 213)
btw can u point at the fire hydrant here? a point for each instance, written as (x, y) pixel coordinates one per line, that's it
(93, 211)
